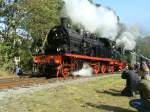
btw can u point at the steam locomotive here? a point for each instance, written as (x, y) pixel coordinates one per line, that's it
(67, 49)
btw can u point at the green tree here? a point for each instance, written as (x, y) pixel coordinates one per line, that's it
(12, 45)
(42, 16)
(143, 46)
(34, 17)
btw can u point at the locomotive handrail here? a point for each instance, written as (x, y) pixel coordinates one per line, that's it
(89, 57)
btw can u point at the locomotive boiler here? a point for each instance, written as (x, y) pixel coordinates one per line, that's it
(67, 49)
(62, 39)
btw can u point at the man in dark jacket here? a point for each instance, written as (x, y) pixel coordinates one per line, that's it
(143, 104)
(132, 79)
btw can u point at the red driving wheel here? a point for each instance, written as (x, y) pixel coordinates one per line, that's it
(112, 69)
(96, 69)
(103, 68)
(65, 72)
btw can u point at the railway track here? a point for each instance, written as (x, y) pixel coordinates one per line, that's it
(8, 83)
(14, 82)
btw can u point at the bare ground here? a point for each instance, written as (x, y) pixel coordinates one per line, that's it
(101, 94)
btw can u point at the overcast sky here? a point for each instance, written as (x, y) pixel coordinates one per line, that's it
(131, 12)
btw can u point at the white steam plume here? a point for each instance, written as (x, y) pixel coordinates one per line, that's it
(127, 40)
(128, 37)
(100, 20)
(86, 71)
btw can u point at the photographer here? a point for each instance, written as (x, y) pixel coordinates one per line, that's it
(143, 104)
(132, 79)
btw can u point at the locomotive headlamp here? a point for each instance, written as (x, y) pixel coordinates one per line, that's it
(54, 29)
(58, 49)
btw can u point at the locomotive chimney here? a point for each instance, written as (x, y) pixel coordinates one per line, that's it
(64, 22)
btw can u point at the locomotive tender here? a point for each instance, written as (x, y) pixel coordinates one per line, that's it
(67, 49)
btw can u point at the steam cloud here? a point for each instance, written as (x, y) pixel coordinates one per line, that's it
(128, 37)
(85, 71)
(98, 19)
(127, 40)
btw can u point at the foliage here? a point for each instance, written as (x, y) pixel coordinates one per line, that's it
(41, 16)
(4, 74)
(13, 44)
(6, 56)
(143, 46)
(35, 18)
(8, 51)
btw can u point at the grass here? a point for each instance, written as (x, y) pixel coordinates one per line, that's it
(4, 74)
(100, 95)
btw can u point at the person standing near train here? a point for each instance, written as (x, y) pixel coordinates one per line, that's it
(19, 71)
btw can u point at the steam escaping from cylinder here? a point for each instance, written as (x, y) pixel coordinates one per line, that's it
(96, 19)
(86, 71)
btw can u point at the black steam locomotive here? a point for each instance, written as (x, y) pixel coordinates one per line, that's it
(62, 39)
(67, 49)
